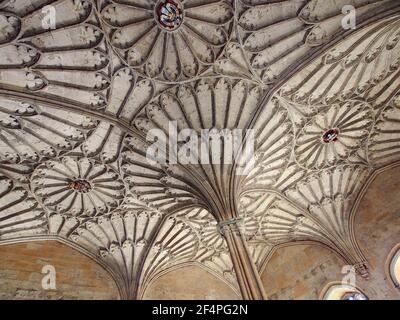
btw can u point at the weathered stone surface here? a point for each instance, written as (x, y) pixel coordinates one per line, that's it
(378, 231)
(300, 272)
(189, 283)
(77, 276)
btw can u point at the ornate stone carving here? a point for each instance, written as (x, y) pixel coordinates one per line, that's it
(21, 215)
(170, 40)
(79, 187)
(384, 142)
(190, 236)
(325, 113)
(334, 135)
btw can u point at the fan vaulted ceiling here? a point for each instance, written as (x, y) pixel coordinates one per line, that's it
(77, 101)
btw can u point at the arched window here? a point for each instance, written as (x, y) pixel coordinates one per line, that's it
(339, 291)
(395, 268)
(354, 296)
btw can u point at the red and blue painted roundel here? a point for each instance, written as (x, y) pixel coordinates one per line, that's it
(170, 14)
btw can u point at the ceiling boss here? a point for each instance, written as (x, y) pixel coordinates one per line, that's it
(330, 135)
(169, 14)
(81, 186)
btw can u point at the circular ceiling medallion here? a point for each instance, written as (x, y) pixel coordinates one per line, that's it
(78, 186)
(170, 40)
(169, 14)
(82, 186)
(335, 135)
(330, 135)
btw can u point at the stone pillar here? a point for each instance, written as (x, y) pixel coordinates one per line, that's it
(246, 271)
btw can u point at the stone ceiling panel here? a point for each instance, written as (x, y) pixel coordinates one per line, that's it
(181, 46)
(190, 236)
(77, 101)
(326, 131)
(21, 215)
(79, 187)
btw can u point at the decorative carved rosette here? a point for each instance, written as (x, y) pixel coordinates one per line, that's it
(169, 40)
(337, 134)
(78, 187)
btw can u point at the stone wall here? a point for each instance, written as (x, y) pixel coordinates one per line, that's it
(77, 276)
(189, 283)
(378, 231)
(302, 271)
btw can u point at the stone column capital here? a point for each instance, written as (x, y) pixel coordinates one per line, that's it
(232, 225)
(247, 274)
